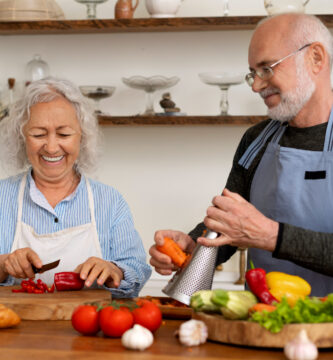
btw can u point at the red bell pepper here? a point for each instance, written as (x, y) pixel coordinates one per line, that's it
(68, 281)
(256, 280)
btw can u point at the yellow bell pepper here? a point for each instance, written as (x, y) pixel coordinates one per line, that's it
(291, 286)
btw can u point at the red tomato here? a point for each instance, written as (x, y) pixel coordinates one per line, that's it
(148, 315)
(85, 319)
(114, 322)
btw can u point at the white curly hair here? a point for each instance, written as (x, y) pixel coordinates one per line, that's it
(13, 152)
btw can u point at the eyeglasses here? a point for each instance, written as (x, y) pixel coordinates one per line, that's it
(266, 72)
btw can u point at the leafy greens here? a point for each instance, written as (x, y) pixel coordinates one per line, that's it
(308, 310)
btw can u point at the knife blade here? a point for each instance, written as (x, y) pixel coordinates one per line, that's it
(45, 267)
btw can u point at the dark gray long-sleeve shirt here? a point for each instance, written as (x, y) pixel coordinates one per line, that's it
(306, 248)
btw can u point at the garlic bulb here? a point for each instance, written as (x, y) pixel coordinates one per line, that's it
(193, 332)
(301, 348)
(137, 338)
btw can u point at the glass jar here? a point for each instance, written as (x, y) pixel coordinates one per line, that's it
(36, 69)
(281, 6)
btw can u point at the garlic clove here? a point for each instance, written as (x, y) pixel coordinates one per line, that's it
(301, 348)
(193, 332)
(137, 338)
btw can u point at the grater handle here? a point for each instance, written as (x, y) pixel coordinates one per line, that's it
(211, 235)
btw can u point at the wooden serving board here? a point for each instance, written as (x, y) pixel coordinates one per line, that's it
(252, 334)
(53, 306)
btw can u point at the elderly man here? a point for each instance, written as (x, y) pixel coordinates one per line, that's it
(278, 200)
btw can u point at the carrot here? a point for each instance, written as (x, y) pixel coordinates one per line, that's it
(172, 249)
(259, 307)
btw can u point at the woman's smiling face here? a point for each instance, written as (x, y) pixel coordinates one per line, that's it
(53, 137)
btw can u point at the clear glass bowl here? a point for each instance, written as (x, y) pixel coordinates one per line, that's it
(91, 7)
(223, 80)
(97, 93)
(150, 85)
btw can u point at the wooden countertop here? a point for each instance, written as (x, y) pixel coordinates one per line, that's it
(57, 340)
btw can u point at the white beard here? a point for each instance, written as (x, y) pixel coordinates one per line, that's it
(292, 101)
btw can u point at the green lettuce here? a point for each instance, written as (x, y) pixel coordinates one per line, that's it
(308, 310)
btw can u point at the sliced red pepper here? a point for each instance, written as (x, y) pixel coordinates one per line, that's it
(21, 290)
(30, 289)
(25, 284)
(38, 291)
(51, 289)
(68, 281)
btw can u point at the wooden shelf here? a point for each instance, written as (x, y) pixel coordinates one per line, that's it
(135, 25)
(106, 120)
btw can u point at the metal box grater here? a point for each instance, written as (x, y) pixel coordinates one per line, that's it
(197, 274)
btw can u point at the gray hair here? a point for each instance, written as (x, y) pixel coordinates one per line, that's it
(307, 29)
(42, 91)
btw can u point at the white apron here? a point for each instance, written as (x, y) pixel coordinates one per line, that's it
(72, 246)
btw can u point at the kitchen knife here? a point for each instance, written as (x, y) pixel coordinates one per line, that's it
(45, 267)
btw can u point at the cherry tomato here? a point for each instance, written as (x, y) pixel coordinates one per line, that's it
(147, 314)
(114, 322)
(85, 319)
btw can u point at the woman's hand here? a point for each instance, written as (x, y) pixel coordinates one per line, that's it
(104, 271)
(18, 263)
(161, 262)
(239, 223)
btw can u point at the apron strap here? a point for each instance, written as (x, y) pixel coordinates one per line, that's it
(20, 197)
(91, 202)
(252, 151)
(277, 136)
(93, 220)
(19, 212)
(328, 146)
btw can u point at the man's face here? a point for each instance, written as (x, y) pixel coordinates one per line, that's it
(294, 100)
(287, 91)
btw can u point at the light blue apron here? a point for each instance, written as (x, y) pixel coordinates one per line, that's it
(295, 187)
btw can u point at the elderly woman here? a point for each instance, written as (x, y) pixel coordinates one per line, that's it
(52, 210)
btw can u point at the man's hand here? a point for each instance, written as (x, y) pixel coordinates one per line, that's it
(161, 262)
(104, 271)
(239, 223)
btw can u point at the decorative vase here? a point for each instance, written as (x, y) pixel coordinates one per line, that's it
(124, 9)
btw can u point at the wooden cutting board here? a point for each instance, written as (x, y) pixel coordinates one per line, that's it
(252, 334)
(53, 306)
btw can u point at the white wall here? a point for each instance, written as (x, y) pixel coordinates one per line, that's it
(167, 174)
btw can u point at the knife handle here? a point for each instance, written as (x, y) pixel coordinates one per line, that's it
(34, 269)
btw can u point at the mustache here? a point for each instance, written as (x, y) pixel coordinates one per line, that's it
(270, 91)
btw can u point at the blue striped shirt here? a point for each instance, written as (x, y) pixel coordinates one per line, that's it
(120, 242)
